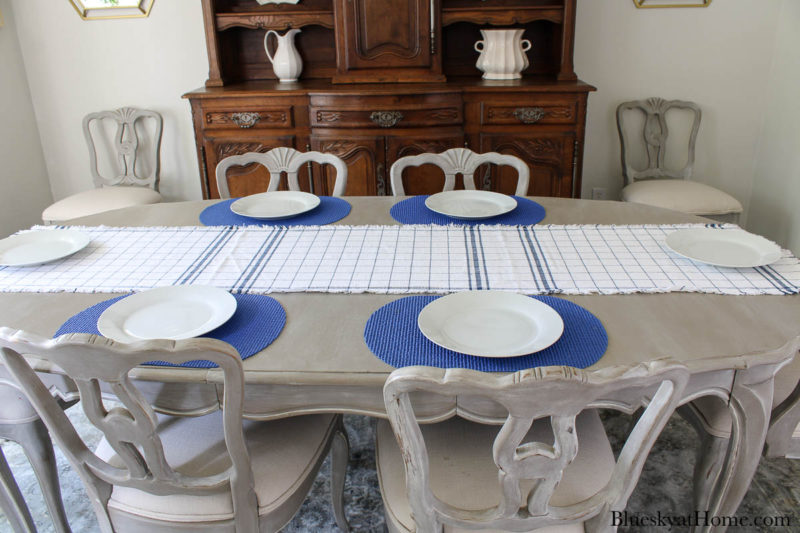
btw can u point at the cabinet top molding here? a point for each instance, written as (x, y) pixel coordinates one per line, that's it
(648, 4)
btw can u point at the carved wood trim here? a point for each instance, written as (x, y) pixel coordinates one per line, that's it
(282, 21)
(526, 114)
(248, 119)
(328, 116)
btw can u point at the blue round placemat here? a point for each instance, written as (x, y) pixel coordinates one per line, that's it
(413, 211)
(257, 322)
(393, 335)
(329, 210)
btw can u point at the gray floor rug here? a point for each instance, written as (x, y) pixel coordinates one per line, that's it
(665, 485)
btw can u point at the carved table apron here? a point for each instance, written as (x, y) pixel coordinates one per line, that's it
(320, 363)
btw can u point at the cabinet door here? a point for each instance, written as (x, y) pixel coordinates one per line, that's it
(550, 157)
(366, 167)
(425, 179)
(388, 40)
(249, 179)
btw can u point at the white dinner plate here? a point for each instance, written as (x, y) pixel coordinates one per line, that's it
(490, 323)
(37, 247)
(275, 205)
(178, 312)
(470, 205)
(733, 248)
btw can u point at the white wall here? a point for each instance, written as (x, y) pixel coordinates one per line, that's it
(775, 201)
(718, 57)
(24, 187)
(76, 67)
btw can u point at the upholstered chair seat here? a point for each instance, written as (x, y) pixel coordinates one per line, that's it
(658, 184)
(283, 453)
(685, 196)
(99, 200)
(465, 475)
(127, 176)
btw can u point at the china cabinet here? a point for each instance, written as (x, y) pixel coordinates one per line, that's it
(382, 80)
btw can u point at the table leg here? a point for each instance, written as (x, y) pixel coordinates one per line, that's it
(750, 407)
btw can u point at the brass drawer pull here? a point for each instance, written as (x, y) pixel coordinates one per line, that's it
(529, 115)
(245, 120)
(386, 119)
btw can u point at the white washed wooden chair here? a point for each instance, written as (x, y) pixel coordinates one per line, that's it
(131, 182)
(20, 423)
(459, 161)
(557, 474)
(162, 473)
(659, 186)
(282, 159)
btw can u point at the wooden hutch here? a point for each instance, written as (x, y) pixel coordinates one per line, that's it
(390, 78)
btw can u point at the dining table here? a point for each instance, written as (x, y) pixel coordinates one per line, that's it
(733, 345)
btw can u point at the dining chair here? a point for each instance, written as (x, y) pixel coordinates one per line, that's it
(458, 161)
(658, 185)
(550, 464)
(133, 153)
(20, 423)
(278, 160)
(711, 419)
(162, 473)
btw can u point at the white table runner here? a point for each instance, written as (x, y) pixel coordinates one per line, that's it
(395, 259)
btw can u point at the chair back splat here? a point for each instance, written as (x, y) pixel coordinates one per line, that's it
(528, 472)
(128, 147)
(131, 429)
(459, 161)
(280, 160)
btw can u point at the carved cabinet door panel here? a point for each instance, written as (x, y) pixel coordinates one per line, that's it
(550, 157)
(249, 179)
(425, 179)
(366, 166)
(375, 38)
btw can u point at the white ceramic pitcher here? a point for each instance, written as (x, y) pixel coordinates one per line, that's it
(502, 54)
(286, 62)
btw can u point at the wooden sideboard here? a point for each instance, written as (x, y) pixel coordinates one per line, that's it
(384, 82)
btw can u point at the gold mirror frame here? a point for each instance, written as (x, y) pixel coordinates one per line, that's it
(647, 4)
(140, 10)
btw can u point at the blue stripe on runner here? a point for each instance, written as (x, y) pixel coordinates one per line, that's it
(253, 263)
(528, 258)
(525, 232)
(483, 260)
(773, 280)
(466, 256)
(791, 287)
(200, 262)
(478, 281)
(276, 241)
(542, 255)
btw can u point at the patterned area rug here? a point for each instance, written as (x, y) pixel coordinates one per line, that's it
(665, 485)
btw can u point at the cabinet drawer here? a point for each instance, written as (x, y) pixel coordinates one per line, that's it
(533, 111)
(249, 118)
(408, 111)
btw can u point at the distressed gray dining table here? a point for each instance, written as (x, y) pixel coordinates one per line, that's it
(733, 345)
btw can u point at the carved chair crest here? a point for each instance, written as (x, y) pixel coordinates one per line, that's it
(131, 429)
(127, 147)
(459, 161)
(559, 393)
(278, 160)
(655, 138)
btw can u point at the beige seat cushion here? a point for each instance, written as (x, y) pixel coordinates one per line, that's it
(681, 195)
(716, 418)
(282, 453)
(96, 201)
(464, 474)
